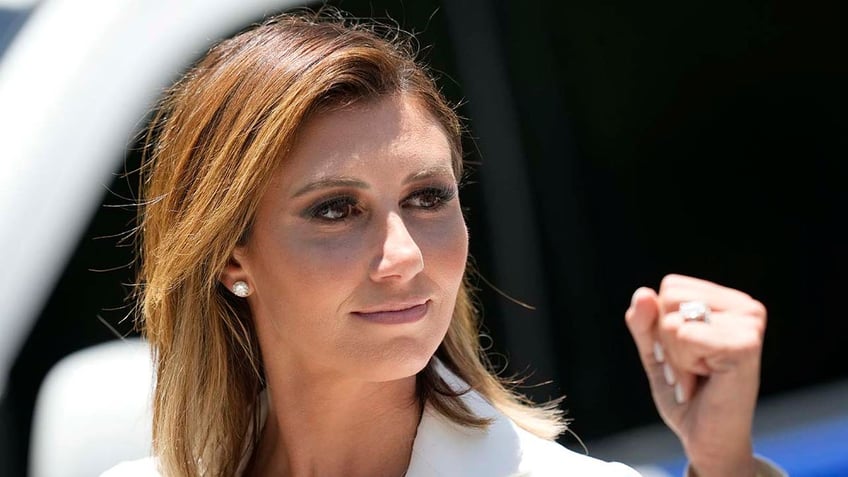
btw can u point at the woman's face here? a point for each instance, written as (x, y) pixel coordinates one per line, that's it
(358, 246)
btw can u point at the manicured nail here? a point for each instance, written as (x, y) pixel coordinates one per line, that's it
(678, 394)
(658, 352)
(669, 375)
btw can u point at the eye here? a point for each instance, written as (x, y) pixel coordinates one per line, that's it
(335, 210)
(430, 198)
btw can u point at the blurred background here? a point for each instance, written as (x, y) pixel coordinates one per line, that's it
(610, 143)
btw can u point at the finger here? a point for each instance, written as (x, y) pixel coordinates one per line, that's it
(675, 289)
(678, 387)
(704, 348)
(670, 385)
(684, 388)
(641, 318)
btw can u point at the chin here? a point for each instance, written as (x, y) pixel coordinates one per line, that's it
(387, 358)
(401, 364)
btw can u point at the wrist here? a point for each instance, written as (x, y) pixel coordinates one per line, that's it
(737, 463)
(737, 469)
(763, 468)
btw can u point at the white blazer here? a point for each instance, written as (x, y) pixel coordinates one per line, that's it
(444, 449)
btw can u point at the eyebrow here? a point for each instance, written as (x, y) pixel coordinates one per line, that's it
(330, 182)
(429, 173)
(342, 181)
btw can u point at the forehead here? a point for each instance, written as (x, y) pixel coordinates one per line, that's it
(390, 131)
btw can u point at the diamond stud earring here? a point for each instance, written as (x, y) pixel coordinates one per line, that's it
(241, 289)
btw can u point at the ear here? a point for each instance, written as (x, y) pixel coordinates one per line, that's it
(235, 271)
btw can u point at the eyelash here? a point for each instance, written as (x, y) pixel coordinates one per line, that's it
(318, 211)
(439, 195)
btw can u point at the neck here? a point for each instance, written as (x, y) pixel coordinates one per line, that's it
(337, 427)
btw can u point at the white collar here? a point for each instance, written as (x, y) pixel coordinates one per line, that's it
(443, 448)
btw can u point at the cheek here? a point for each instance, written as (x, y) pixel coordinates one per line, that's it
(322, 255)
(445, 249)
(310, 275)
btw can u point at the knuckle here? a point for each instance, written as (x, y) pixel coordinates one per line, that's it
(671, 297)
(758, 309)
(668, 327)
(749, 342)
(685, 334)
(670, 280)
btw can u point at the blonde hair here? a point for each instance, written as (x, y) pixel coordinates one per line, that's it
(217, 137)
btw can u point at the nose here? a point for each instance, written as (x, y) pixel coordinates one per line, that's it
(400, 257)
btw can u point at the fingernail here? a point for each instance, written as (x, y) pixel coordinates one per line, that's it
(633, 298)
(669, 375)
(658, 352)
(678, 394)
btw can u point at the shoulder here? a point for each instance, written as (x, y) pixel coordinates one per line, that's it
(146, 467)
(445, 449)
(543, 458)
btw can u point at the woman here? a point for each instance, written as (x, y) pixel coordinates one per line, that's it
(303, 284)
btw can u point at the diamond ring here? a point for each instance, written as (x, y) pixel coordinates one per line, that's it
(695, 311)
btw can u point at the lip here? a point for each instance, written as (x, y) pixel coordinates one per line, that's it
(395, 313)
